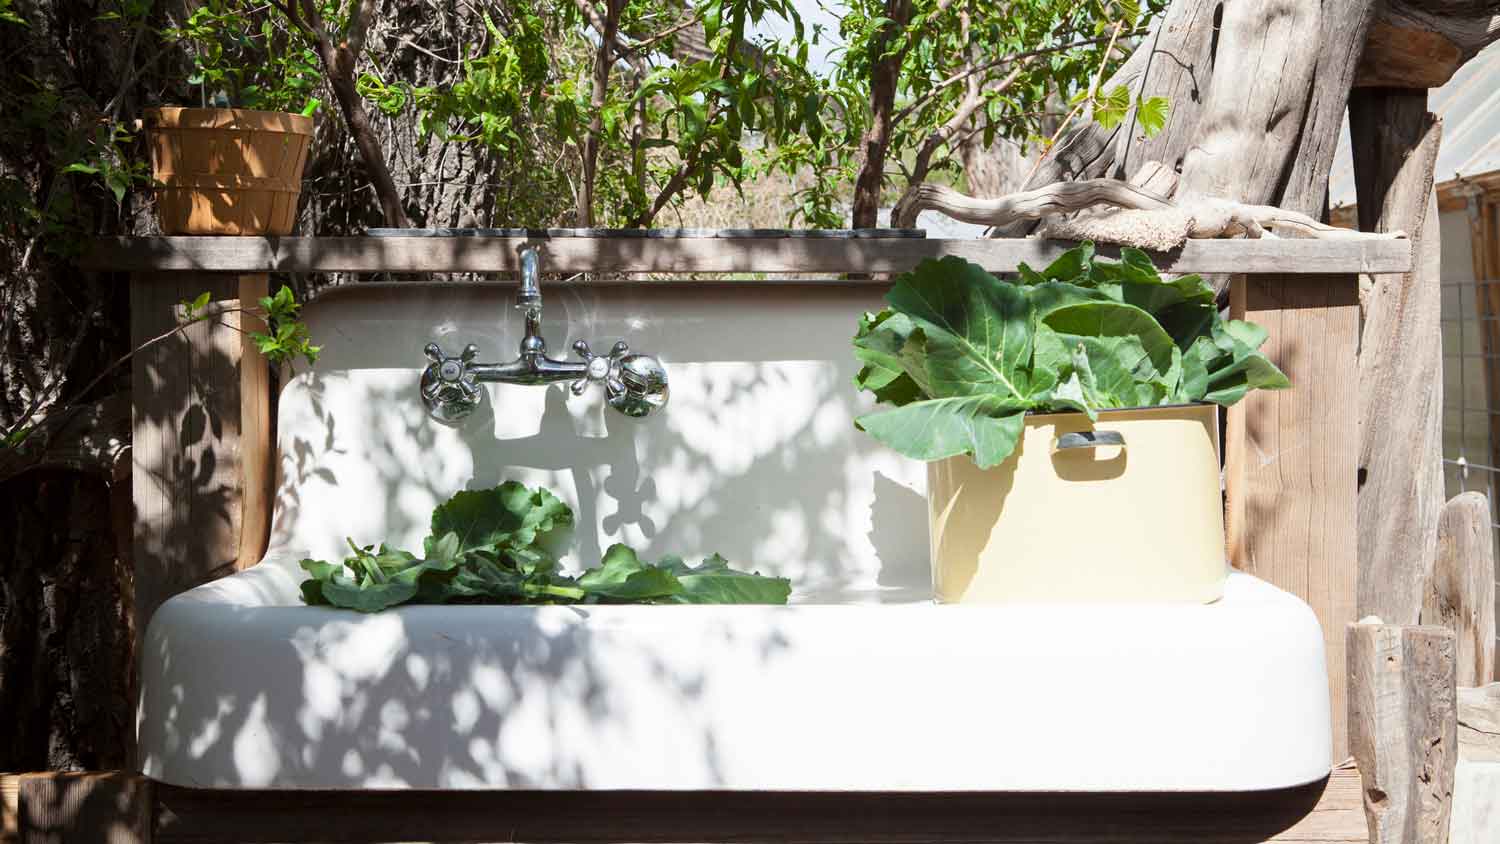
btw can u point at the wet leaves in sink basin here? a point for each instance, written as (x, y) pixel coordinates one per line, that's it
(485, 549)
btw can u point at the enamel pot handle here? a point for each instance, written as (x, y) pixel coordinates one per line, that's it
(1089, 439)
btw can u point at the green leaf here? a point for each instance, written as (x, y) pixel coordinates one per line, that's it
(1110, 107)
(1098, 320)
(959, 356)
(507, 515)
(976, 330)
(1151, 113)
(878, 345)
(984, 426)
(714, 582)
(622, 577)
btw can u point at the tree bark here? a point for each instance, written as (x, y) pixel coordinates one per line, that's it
(608, 27)
(884, 75)
(339, 60)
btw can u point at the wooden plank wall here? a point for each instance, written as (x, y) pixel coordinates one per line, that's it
(186, 443)
(1292, 457)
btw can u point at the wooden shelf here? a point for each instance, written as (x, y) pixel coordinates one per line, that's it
(706, 254)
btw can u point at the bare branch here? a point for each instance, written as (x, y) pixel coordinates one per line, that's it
(644, 44)
(991, 65)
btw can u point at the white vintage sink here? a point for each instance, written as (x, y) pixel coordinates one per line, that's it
(862, 685)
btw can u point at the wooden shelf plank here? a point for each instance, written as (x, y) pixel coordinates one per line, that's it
(705, 254)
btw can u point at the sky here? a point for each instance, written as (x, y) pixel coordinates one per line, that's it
(824, 12)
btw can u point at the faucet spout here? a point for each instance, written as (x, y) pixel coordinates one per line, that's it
(529, 294)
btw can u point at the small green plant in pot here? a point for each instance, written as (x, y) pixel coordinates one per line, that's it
(233, 166)
(1069, 420)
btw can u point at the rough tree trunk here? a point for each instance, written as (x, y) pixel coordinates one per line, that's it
(65, 635)
(1257, 91)
(883, 77)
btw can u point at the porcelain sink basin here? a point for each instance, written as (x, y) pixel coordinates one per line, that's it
(862, 685)
(245, 688)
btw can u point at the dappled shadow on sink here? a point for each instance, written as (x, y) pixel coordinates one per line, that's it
(756, 459)
(406, 698)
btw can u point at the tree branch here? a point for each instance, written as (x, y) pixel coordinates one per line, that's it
(608, 29)
(338, 62)
(638, 47)
(904, 214)
(359, 26)
(907, 110)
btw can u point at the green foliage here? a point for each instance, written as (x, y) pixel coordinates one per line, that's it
(8, 14)
(246, 56)
(285, 339)
(486, 547)
(941, 49)
(667, 126)
(962, 356)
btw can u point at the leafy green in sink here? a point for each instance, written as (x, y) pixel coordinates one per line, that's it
(486, 548)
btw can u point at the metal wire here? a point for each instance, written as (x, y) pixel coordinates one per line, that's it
(1468, 452)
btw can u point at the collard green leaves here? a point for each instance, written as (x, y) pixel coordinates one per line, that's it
(486, 547)
(961, 356)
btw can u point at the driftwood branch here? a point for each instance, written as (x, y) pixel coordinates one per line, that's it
(1158, 222)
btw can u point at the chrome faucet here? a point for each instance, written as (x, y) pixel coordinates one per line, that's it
(635, 385)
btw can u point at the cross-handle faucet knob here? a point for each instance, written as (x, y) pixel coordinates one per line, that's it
(449, 385)
(634, 385)
(599, 369)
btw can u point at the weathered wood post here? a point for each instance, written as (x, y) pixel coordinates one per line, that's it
(1404, 729)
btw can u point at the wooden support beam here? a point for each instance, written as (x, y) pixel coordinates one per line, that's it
(81, 808)
(1461, 594)
(706, 254)
(1404, 728)
(257, 444)
(1291, 460)
(1400, 356)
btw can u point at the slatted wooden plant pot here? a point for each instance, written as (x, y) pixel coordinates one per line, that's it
(227, 171)
(1075, 513)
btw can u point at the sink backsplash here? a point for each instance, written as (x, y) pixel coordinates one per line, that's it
(755, 455)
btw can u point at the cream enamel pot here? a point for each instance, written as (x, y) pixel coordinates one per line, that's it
(1127, 508)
